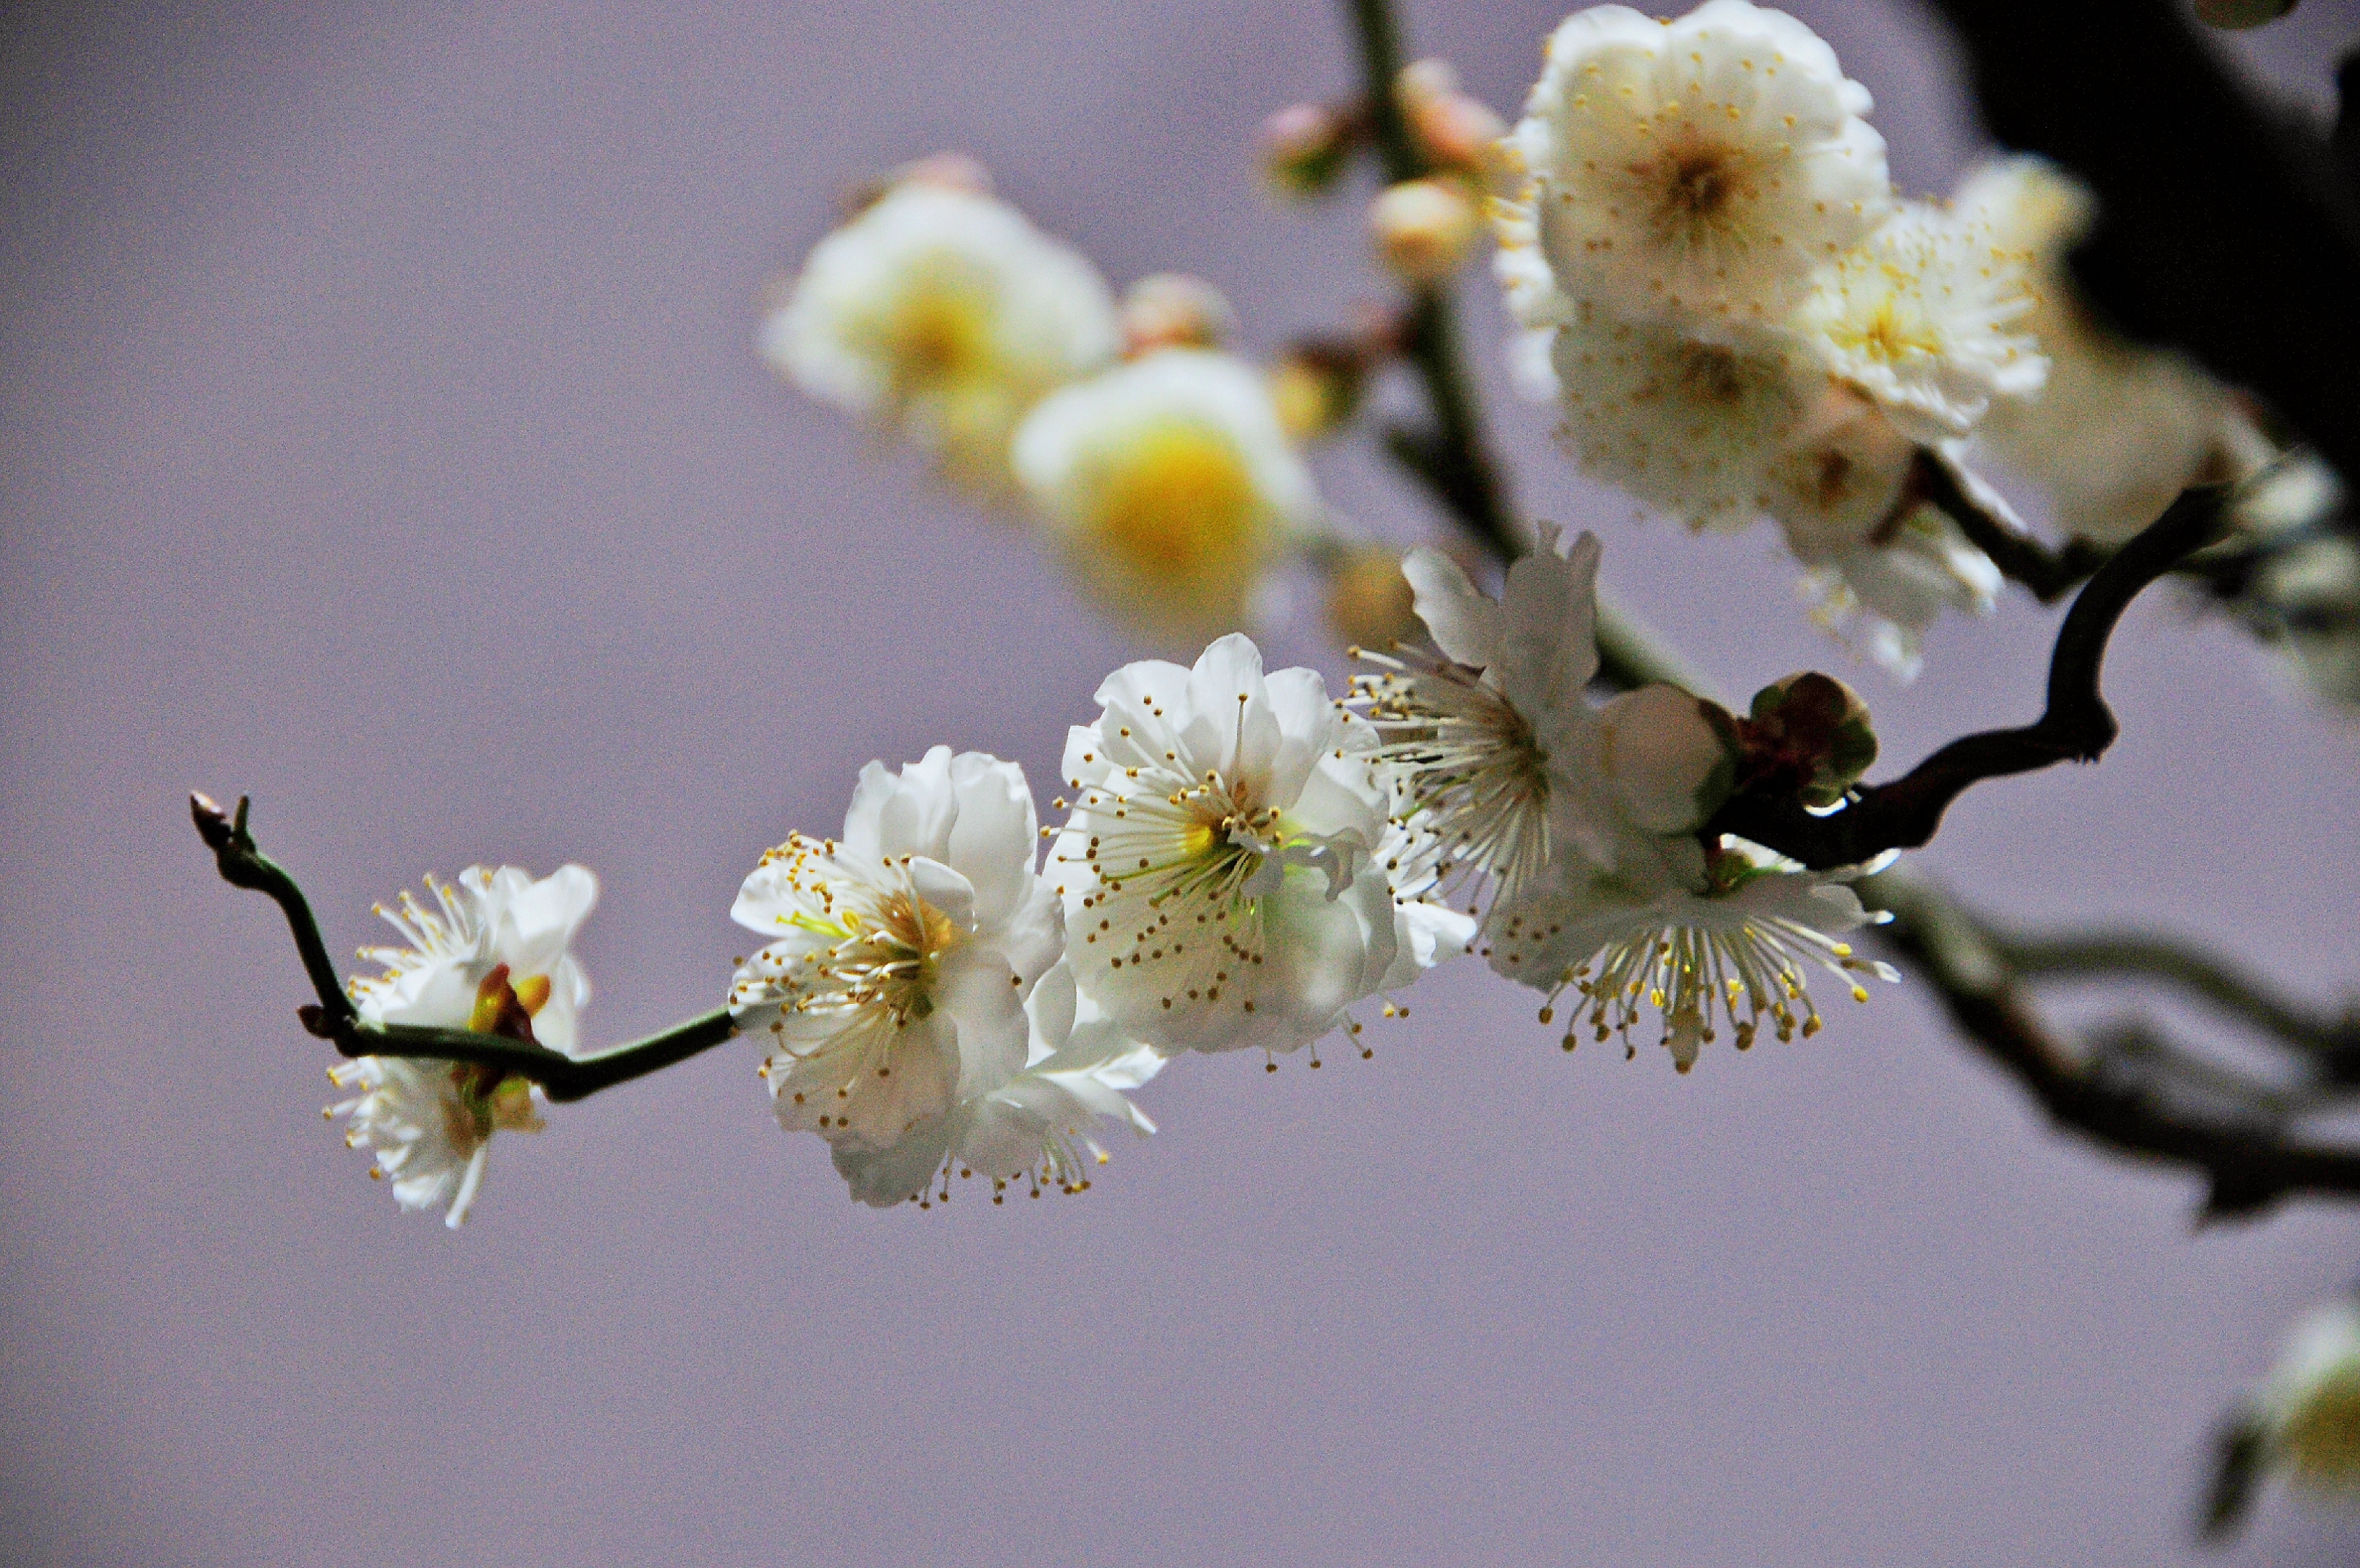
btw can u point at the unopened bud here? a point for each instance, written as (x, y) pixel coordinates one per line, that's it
(1809, 733)
(1305, 148)
(947, 170)
(1369, 600)
(1172, 310)
(2310, 1406)
(1423, 229)
(1317, 386)
(2241, 14)
(1422, 81)
(1666, 753)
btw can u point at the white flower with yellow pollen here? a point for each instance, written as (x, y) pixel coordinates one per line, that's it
(942, 313)
(1926, 316)
(491, 957)
(904, 951)
(1487, 729)
(2118, 429)
(2310, 1406)
(1172, 486)
(1692, 429)
(1700, 941)
(1218, 870)
(1698, 168)
(1033, 1127)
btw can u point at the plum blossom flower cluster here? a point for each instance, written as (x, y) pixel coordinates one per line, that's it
(948, 990)
(1739, 319)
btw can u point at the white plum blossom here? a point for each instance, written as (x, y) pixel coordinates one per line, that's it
(2116, 430)
(1172, 486)
(491, 955)
(1030, 1126)
(2310, 1406)
(943, 314)
(1883, 596)
(1700, 940)
(1480, 731)
(1926, 316)
(1218, 870)
(903, 951)
(1693, 429)
(1700, 169)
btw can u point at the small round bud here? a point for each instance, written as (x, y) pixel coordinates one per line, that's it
(1305, 148)
(950, 171)
(1664, 751)
(1422, 81)
(1462, 133)
(1809, 733)
(1369, 600)
(1317, 386)
(1423, 229)
(1172, 310)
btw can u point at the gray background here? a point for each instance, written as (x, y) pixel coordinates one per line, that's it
(382, 437)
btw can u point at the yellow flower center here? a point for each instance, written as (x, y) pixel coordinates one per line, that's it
(939, 337)
(1178, 502)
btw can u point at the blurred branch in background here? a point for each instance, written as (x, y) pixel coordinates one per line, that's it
(2225, 224)
(2127, 1090)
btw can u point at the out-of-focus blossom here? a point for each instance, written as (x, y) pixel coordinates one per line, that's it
(1425, 229)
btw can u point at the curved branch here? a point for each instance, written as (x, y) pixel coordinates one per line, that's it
(332, 1017)
(2333, 1043)
(2076, 724)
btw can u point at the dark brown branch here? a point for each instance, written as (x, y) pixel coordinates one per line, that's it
(2248, 1159)
(332, 1017)
(2076, 724)
(2331, 1044)
(2047, 573)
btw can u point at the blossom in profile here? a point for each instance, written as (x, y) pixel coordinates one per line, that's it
(1701, 168)
(2117, 429)
(941, 313)
(1926, 316)
(1171, 487)
(2310, 1406)
(901, 953)
(1218, 870)
(1034, 1126)
(491, 955)
(1701, 940)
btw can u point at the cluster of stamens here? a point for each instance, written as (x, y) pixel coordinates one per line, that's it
(1470, 766)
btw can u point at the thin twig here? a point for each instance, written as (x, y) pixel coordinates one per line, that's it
(2076, 725)
(333, 1018)
(2046, 572)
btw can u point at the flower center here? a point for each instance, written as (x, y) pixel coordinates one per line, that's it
(939, 336)
(1177, 501)
(890, 957)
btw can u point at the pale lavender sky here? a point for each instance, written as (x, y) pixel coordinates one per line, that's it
(382, 437)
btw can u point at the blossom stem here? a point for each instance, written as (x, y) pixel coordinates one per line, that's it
(2075, 725)
(333, 1018)
(2047, 573)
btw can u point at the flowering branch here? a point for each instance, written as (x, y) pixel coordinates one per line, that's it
(333, 1018)
(2075, 726)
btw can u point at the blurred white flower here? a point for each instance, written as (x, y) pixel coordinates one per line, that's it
(1926, 316)
(1172, 487)
(1700, 941)
(1031, 1126)
(492, 955)
(1884, 596)
(904, 951)
(2310, 1406)
(942, 313)
(1217, 869)
(1698, 168)
(2117, 431)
